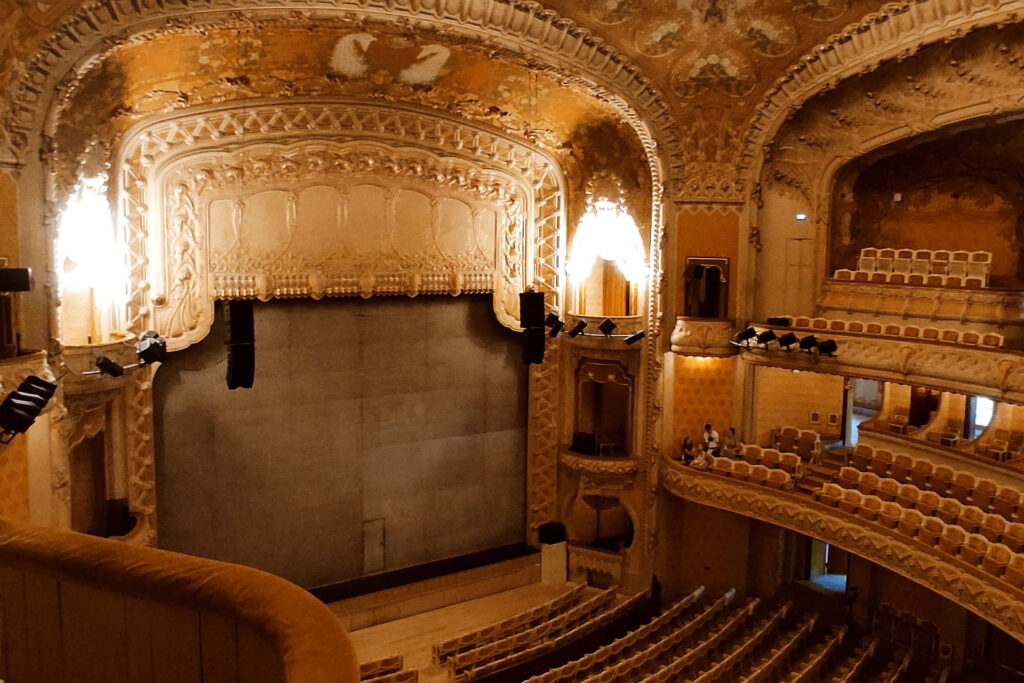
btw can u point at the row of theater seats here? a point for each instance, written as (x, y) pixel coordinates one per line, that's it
(913, 279)
(913, 332)
(974, 549)
(971, 518)
(806, 443)
(561, 630)
(703, 640)
(762, 475)
(963, 486)
(771, 458)
(387, 670)
(447, 649)
(960, 263)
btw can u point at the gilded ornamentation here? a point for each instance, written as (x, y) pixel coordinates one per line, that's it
(542, 441)
(985, 595)
(964, 370)
(599, 467)
(694, 337)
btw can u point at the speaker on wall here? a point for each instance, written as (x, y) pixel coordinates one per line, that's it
(241, 342)
(531, 319)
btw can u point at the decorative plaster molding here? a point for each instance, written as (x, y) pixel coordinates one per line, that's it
(960, 369)
(599, 466)
(697, 337)
(924, 304)
(896, 31)
(408, 143)
(582, 559)
(542, 441)
(520, 27)
(996, 601)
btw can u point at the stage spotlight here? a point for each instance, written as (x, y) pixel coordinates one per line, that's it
(828, 348)
(809, 343)
(109, 367)
(556, 327)
(607, 327)
(787, 340)
(635, 337)
(578, 328)
(744, 336)
(151, 348)
(23, 405)
(765, 337)
(551, 320)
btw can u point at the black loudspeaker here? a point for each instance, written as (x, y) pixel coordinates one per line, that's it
(531, 309)
(15, 279)
(780, 322)
(531, 319)
(241, 342)
(551, 532)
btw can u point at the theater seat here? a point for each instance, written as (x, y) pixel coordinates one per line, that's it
(974, 548)
(952, 539)
(996, 559)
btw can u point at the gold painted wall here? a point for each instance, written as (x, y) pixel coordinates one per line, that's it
(703, 392)
(785, 397)
(14, 480)
(707, 234)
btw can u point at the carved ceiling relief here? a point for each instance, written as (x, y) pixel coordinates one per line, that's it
(943, 84)
(236, 60)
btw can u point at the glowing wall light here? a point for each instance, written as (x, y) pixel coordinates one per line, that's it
(92, 272)
(607, 231)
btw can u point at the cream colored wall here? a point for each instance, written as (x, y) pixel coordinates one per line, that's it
(784, 284)
(784, 397)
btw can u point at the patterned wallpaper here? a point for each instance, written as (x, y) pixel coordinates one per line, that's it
(703, 393)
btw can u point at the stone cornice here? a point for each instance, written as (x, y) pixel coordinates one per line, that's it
(991, 599)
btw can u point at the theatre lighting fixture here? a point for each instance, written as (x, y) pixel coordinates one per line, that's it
(607, 327)
(556, 328)
(764, 338)
(151, 348)
(22, 406)
(809, 343)
(744, 336)
(787, 340)
(578, 328)
(106, 366)
(635, 337)
(828, 348)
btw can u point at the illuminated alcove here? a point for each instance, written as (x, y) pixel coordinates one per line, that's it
(604, 408)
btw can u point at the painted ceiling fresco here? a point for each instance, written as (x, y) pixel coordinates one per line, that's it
(714, 59)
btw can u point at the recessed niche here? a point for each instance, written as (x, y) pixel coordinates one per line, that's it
(604, 404)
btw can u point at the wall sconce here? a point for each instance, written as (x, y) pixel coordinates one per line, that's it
(608, 232)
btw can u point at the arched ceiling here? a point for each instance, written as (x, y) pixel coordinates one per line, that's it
(711, 60)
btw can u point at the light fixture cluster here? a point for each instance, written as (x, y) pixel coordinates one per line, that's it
(22, 406)
(150, 348)
(786, 342)
(607, 327)
(608, 232)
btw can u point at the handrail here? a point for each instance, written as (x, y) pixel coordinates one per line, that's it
(302, 632)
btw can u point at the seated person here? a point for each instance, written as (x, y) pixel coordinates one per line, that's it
(686, 454)
(731, 445)
(702, 461)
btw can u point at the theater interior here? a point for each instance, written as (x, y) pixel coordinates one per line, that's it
(375, 340)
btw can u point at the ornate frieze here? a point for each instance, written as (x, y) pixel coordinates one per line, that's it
(699, 337)
(993, 600)
(177, 173)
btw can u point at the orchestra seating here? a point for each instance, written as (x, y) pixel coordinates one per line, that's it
(776, 477)
(491, 656)
(387, 670)
(921, 267)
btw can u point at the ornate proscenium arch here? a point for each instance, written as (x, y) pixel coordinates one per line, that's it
(537, 35)
(995, 601)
